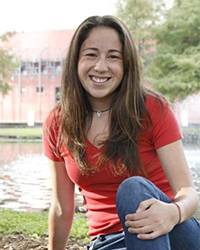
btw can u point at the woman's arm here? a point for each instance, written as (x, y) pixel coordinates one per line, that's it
(154, 217)
(62, 207)
(176, 169)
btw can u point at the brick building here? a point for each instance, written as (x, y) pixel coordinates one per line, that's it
(35, 85)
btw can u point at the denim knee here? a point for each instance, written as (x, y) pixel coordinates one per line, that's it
(135, 189)
(133, 182)
(135, 186)
(130, 193)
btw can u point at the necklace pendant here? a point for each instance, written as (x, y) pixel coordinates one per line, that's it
(98, 114)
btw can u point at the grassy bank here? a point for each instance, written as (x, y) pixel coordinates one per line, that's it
(21, 132)
(35, 224)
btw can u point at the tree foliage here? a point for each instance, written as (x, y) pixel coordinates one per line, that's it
(7, 65)
(175, 70)
(141, 16)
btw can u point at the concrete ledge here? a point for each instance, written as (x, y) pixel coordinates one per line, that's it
(19, 125)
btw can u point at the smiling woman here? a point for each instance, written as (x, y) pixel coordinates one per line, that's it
(100, 66)
(116, 140)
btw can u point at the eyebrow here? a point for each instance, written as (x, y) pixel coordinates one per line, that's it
(90, 48)
(110, 50)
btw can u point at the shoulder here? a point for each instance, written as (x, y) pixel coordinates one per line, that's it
(155, 101)
(160, 111)
(51, 136)
(157, 106)
(53, 117)
(164, 125)
(52, 121)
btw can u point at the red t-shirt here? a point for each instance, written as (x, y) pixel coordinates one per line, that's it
(99, 189)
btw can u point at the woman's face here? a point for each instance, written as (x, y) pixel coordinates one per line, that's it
(100, 65)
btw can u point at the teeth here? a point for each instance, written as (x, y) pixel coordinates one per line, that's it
(99, 80)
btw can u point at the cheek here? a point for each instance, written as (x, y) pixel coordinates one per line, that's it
(79, 70)
(83, 68)
(120, 72)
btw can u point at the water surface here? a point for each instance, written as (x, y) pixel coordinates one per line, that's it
(25, 175)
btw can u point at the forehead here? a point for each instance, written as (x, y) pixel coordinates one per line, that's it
(102, 38)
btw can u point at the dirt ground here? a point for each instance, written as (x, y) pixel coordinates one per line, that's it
(22, 242)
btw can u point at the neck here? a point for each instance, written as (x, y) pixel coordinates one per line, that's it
(99, 104)
(100, 112)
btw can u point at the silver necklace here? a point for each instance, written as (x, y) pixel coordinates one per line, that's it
(100, 112)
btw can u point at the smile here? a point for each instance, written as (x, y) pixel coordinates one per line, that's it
(99, 79)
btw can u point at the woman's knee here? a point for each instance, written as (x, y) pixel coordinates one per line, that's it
(131, 192)
(133, 181)
(132, 186)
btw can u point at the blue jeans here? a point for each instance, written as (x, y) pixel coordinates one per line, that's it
(184, 236)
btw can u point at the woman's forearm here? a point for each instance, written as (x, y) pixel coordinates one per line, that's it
(59, 228)
(187, 200)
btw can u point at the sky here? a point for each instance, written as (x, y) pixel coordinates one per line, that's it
(33, 15)
(36, 15)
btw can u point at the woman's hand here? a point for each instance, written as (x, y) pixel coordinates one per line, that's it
(152, 219)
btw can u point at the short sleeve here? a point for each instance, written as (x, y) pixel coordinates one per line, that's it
(50, 137)
(165, 128)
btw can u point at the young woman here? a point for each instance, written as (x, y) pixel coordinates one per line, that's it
(120, 143)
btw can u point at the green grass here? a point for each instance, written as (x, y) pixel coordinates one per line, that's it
(35, 224)
(21, 132)
(23, 222)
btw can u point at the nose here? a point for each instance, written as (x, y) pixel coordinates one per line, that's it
(101, 65)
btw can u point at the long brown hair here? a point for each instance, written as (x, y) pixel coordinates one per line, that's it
(128, 102)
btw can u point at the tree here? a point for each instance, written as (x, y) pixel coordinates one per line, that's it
(141, 16)
(175, 69)
(7, 65)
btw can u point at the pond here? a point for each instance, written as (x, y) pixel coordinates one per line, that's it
(25, 176)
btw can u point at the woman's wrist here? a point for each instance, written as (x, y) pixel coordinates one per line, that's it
(179, 214)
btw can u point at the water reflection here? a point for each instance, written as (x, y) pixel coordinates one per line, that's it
(9, 151)
(193, 158)
(25, 175)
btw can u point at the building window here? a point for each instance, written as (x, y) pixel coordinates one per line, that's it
(51, 67)
(57, 94)
(44, 67)
(29, 68)
(34, 68)
(40, 89)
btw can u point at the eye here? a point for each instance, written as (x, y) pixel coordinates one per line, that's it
(90, 54)
(115, 56)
